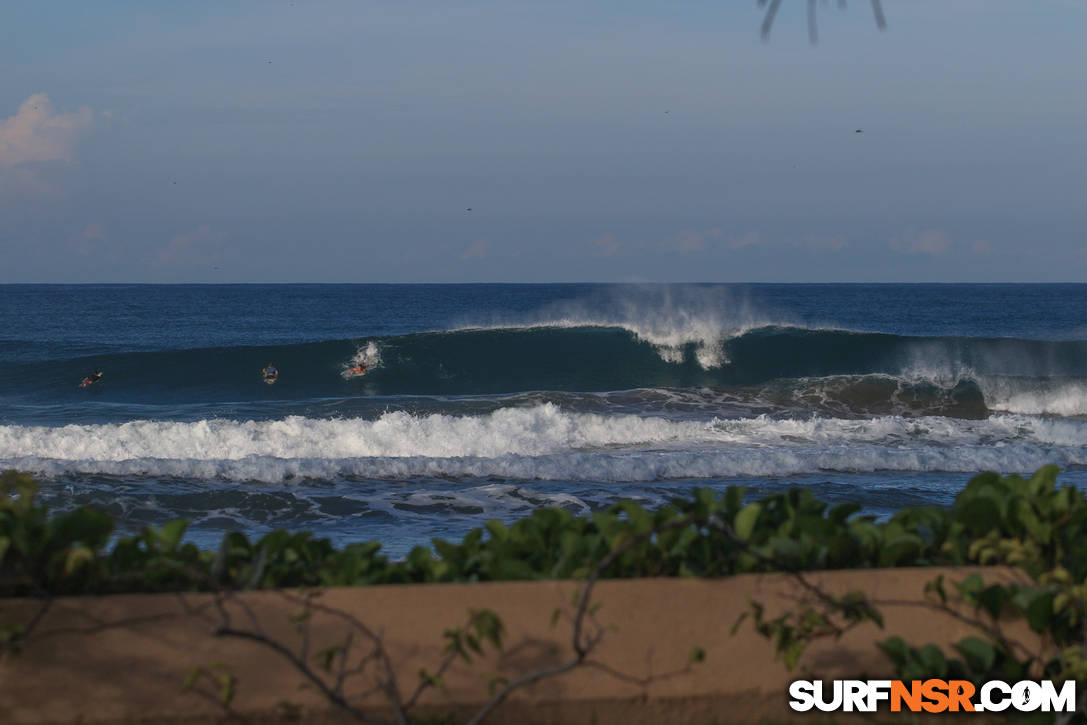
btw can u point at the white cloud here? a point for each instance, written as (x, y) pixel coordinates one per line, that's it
(37, 133)
(931, 241)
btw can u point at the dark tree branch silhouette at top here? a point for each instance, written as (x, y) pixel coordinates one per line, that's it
(772, 7)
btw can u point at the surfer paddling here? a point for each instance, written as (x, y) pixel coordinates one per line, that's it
(91, 379)
(270, 373)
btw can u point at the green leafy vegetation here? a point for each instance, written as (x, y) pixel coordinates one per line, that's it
(1030, 524)
(1041, 529)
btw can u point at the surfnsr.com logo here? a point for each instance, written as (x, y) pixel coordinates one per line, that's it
(932, 696)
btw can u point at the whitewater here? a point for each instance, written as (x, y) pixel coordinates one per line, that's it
(541, 442)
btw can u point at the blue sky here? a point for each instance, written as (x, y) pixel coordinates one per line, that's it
(599, 140)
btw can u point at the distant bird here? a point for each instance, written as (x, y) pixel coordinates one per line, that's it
(468, 209)
(667, 111)
(858, 131)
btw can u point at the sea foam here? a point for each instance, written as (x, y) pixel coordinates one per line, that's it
(541, 442)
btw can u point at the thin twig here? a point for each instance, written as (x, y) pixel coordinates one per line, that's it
(390, 686)
(299, 665)
(768, 21)
(341, 676)
(28, 630)
(877, 10)
(528, 679)
(642, 682)
(426, 683)
(101, 625)
(993, 630)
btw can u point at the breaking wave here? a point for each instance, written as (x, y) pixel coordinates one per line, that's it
(542, 442)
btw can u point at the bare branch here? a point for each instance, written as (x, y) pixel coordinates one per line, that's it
(877, 10)
(301, 666)
(639, 681)
(768, 21)
(994, 630)
(528, 679)
(425, 684)
(813, 36)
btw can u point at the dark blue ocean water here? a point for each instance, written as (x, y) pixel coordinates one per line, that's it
(484, 401)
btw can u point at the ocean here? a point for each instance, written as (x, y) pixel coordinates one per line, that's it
(486, 401)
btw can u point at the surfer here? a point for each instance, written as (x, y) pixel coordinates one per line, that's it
(270, 373)
(91, 379)
(358, 370)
